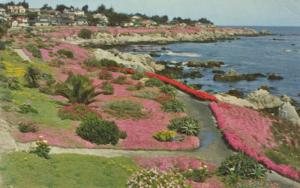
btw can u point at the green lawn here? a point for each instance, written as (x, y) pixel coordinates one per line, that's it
(23, 170)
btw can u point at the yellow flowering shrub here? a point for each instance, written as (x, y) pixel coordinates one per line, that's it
(13, 69)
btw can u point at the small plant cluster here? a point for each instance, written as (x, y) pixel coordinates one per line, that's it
(136, 87)
(99, 131)
(240, 166)
(76, 112)
(147, 95)
(85, 34)
(167, 136)
(154, 82)
(197, 175)
(32, 76)
(102, 63)
(137, 76)
(107, 88)
(125, 109)
(120, 80)
(65, 53)
(27, 127)
(157, 179)
(27, 108)
(34, 50)
(168, 89)
(173, 105)
(105, 75)
(42, 148)
(185, 125)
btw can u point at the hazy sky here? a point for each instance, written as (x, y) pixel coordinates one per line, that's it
(221, 12)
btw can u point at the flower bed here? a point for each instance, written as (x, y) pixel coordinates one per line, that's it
(247, 130)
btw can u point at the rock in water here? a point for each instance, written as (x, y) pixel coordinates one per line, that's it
(274, 77)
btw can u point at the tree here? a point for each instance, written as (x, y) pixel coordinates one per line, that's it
(160, 19)
(116, 19)
(78, 89)
(85, 8)
(46, 7)
(92, 21)
(205, 21)
(101, 9)
(24, 4)
(32, 15)
(32, 75)
(61, 7)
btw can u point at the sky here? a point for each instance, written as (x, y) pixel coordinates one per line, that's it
(221, 12)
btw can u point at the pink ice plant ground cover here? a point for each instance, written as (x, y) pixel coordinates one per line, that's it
(249, 131)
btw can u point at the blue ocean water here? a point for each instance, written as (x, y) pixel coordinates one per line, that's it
(279, 53)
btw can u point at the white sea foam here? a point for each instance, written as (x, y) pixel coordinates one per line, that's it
(181, 54)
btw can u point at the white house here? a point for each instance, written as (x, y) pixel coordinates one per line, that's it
(16, 9)
(35, 10)
(103, 20)
(79, 13)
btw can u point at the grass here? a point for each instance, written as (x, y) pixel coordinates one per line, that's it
(23, 170)
(125, 109)
(147, 95)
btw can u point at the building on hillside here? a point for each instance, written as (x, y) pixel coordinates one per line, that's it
(16, 9)
(43, 21)
(80, 21)
(20, 21)
(79, 13)
(35, 10)
(2, 11)
(148, 23)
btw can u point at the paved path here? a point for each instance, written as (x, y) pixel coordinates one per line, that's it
(22, 55)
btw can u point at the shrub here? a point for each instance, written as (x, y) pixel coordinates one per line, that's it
(99, 131)
(197, 175)
(173, 105)
(85, 34)
(167, 89)
(123, 135)
(154, 178)
(32, 75)
(107, 88)
(165, 136)
(27, 108)
(65, 53)
(153, 82)
(125, 109)
(78, 89)
(105, 75)
(147, 95)
(137, 76)
(185, 125)
(13, 83)
(27, 127)
(240, 166)
(120, 80)
(34, 50)
(2, 45)
(136, 87)
(6, 96)
(76, 112)
(101, 63)
(42, 149)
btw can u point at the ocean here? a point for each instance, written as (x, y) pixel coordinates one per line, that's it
(278, 53)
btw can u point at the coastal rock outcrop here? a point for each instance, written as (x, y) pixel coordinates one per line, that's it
(206, 64)
(262, 99)
(287, 111)
(233, 76)
(137, 62)
(234, 100)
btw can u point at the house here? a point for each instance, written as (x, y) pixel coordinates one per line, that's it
(20, 21)
(35, 10)
(148, 23)
(43, 22)
(79, 13)
(80, 21)
(2, 11)
(16, 9)
(103, 20)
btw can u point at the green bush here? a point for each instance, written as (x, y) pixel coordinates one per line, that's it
(42, 149)
(137, 76)
(136, 87)
(32, 76)
(154, 178)
(85, 34)
(27, 108)
(125, 109)
(165, 136)
(105, 75)
(240, 166)
(102, 63)
(107, 88)
(27, 127)
(35, 51)
(78, 89)
(147, 95)
(173, 105)
(168, 89)
(99, 131)
(120, 80)
(197, 175)
(154, 82)
(65, 53)
(185, 125)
